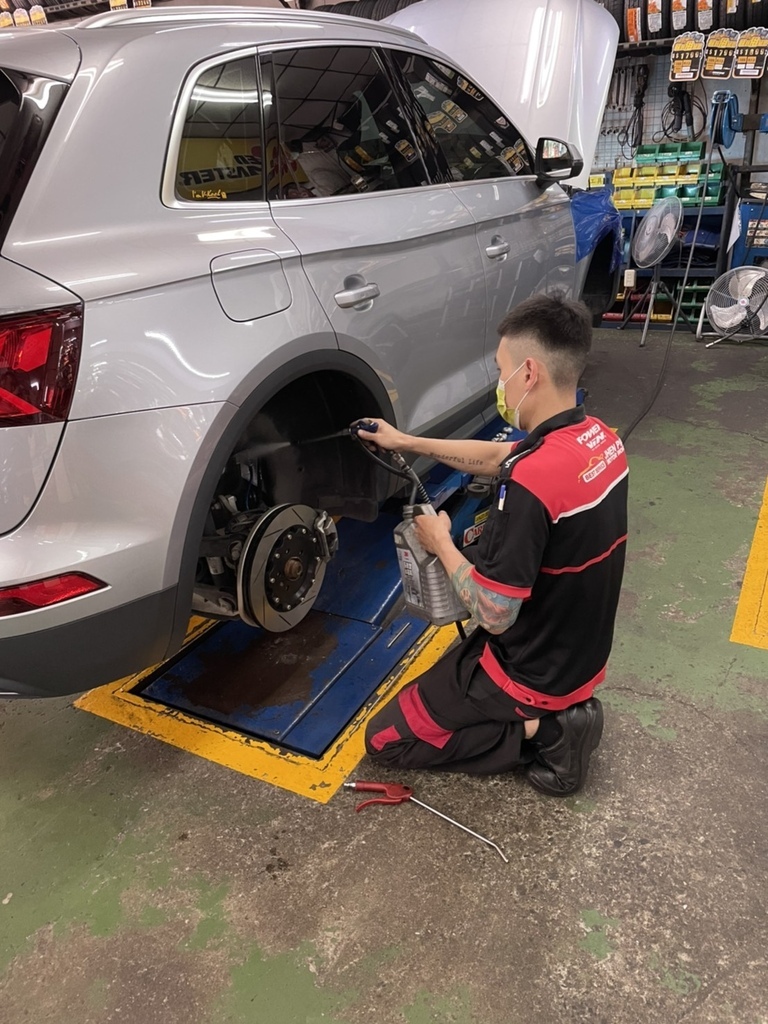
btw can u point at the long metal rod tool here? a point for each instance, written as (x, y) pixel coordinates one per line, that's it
(458, 824)
(397, 794)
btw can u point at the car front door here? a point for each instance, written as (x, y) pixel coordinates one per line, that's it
(391, 254)
(524, 232)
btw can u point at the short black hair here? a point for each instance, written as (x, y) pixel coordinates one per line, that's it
(563, 328)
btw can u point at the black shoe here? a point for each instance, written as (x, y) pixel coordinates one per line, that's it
(561, 768)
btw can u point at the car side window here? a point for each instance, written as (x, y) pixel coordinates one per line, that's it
(220, 153)
(341, 126)
(476, 138)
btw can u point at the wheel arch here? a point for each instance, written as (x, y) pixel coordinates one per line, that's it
(205, 473)
(600, 278)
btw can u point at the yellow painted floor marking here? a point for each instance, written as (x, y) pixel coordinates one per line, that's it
(751, 623)
(317, 779)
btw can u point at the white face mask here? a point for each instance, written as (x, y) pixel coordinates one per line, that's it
(511, 416)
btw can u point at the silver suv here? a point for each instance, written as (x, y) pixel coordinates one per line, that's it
(225, 234)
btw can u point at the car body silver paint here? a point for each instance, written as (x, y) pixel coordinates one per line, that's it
(534, 222)
(250, 284)
(26, 454)
(163, 369)
(118, 532)
(45, 52)
(426, 326)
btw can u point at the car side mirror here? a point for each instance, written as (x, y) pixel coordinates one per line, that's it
(556, 161)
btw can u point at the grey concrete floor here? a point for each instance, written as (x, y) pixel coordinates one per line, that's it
(141, 884)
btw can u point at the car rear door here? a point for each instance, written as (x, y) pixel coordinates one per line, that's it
(524, 231)
(390, 253)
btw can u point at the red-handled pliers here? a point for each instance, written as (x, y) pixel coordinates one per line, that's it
(393, 793)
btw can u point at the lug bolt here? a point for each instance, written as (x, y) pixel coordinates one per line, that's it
(287, 607)
(289, 537)
(272, 580)
(277, 600)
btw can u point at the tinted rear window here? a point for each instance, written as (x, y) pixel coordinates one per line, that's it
(10, 105)
(28, 106)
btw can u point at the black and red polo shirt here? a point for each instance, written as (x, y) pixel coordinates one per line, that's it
(556, 538)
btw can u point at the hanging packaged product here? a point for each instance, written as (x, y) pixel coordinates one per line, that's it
(6, 19)
(720, 53)
(657, 19)
(469, 89)
(751, 53)
(705, 18)
(634, 21)
(21, 18)
(437, 84)
(441, 122)
(683, 15)
(118, 5)
(405, 149)
(454, 110)
(37, 15)
(687, 56)
(142, 3)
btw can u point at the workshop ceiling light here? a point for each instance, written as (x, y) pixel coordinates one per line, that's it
(26, 597)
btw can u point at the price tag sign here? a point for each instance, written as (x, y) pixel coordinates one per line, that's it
(751, 53)
(720, 53)
(687, 57)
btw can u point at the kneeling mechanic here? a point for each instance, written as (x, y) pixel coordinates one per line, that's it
(543, 581)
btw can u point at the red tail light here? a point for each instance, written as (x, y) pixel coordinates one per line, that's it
(39, 355)
(25, 597)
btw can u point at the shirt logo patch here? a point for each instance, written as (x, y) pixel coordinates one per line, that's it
(593, 470)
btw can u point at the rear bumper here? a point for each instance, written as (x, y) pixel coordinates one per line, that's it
(88, 652)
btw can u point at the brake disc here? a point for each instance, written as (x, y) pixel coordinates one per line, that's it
(282, 567)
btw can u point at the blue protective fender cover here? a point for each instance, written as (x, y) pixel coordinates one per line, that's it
(594, 217)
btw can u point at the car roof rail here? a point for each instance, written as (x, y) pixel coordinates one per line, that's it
(155, 16)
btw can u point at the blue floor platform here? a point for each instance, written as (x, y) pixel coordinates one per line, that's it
(300, 689)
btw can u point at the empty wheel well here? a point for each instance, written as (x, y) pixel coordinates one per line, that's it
(601, 282)
(294, 456)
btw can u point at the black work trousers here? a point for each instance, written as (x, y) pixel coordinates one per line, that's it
(453, 718)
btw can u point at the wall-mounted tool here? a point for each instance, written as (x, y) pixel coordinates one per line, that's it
(725, 120)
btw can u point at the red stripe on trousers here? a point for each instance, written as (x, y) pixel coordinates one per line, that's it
(592, 561)
(380, 739)
(536, 699)
(419, 720)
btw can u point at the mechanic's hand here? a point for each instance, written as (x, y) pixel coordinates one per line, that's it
(387, 437)
(432, 531)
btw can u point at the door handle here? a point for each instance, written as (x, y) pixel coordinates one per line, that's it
(498, 248)
(361, 294)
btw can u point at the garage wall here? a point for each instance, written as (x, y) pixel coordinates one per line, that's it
(609, 154)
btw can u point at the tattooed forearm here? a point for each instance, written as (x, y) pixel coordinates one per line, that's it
(494, 612)
(455, 460)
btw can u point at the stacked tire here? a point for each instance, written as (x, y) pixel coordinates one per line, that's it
(376, 10)
(644, 20)
(757, 13)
